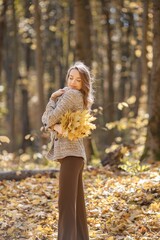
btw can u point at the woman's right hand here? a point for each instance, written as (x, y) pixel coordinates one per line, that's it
(57, 94)
(58, 128)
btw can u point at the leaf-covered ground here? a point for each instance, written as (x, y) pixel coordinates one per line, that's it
(119, 206)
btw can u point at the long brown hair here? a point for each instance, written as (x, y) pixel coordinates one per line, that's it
(87, 80)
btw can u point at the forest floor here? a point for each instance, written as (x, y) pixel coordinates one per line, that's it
(119, 206)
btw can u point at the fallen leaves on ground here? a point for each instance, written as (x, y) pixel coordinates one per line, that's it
(118, 206)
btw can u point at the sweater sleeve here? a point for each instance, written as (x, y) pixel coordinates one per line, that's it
(48, 111)
(70, 101)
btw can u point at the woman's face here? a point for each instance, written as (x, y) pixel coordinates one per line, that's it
(74, 80)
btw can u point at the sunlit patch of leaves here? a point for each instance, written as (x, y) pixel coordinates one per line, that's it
(131, 129)
(25, 161)
(130, 162)
(118, 207)
(132, 132)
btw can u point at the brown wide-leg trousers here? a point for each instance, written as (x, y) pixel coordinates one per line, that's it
(72, 224)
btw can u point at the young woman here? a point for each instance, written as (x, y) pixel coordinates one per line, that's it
(72, 224)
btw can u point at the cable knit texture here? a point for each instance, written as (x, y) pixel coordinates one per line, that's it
(62, 147)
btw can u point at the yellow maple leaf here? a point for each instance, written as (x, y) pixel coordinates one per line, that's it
(77, 124)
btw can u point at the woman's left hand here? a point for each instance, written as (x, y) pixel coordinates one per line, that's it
(56, 94)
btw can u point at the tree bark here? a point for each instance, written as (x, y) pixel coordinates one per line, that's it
(125, 58)
(144, 42)
(25, 117)
(69, 53)
(142, 75)
(138, 86)
(110, 93)
(153, 135)
(2, 29)
(39, 60)
(82, 14)
(11, 68)
(24, 89)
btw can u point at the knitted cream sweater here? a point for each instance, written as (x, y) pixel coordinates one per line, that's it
(62, 147)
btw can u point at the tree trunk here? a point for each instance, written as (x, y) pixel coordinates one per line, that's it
(142, 71)
(69, 53)
(82, 13)
(11, 68)
(25, 117)
(108, 109)
(24, 90)
(110, 93)
(144, 43)
(39, 61)
(125, 59)
(139, 85)
(2, 28)
(153, 135)
(15, 76)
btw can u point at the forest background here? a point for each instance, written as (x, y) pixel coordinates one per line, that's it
(119, 40)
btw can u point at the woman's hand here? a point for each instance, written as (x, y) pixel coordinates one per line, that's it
(57, 94)
(58, 128)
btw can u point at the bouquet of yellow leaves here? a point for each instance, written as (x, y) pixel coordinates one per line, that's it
(77, 124)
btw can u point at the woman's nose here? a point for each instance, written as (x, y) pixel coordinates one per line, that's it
(73, 82)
